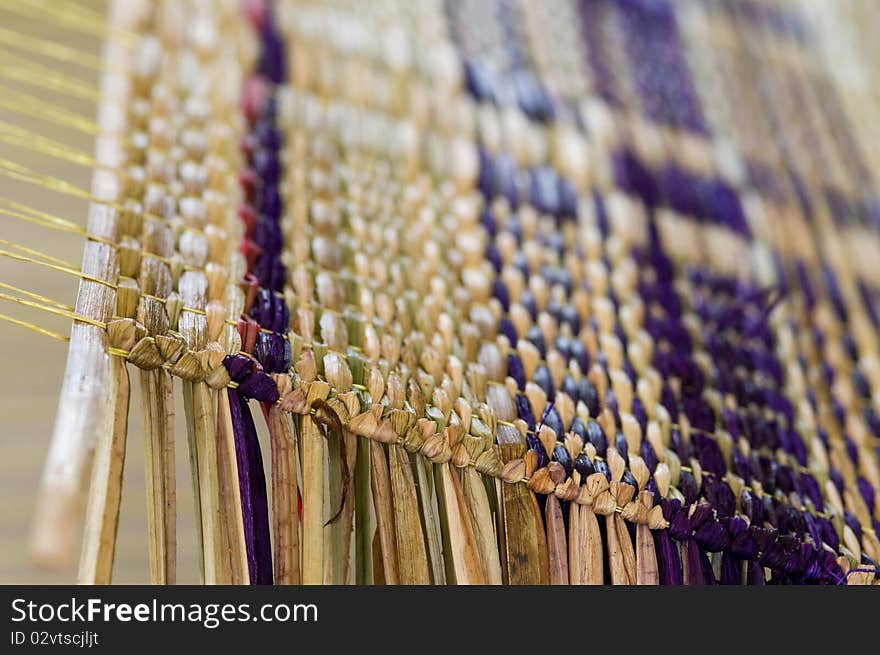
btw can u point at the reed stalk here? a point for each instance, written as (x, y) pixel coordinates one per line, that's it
(312, 457)
(207, 461)
(105, 491)
(364, 520)
(557, 548)
(621, 555)
(483, 523)
(576, 552)
(159, 459)
(383, 503)
(616, 564)
(411, 553)
(234, 549)
(647, 572)
(463, 549)
(347, 516)
(431, 518)
(525, 556)
(285, 515)
(340, 532)
(590, 542)
(192, 447)
(82, 396)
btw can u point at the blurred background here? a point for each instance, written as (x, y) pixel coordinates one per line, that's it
(32, 364)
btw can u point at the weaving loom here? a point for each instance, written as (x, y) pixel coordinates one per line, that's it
(569, 292)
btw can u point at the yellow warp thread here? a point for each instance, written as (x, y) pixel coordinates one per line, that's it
(34, 328)
(62, 269)
(53, 310)
(37, 296)
(50, 49)
(32, 106)
(68, 16)
(35, 253)
(16, 171)
(20, 69)
(28, 140)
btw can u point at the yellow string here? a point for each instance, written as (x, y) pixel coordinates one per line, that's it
(56, 267)
(75, 229)
(76, 10)
(66, 267)
(50, 49)
(35, 253)
(117, 352)
(23, 70)
(36, 296)
(61, 15)
(34, 328)
(49, 222)
(52, 310)
(21, 173)
(62, 225)
(22, 138)
(67, 314)
(24, 103)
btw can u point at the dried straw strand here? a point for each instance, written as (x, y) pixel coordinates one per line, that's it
(156, 390)
(102, 510)
(312, 457)
(411, 553)
(232, 521)
(285, 515)
(525, 556)
(207, 470)
(386, 537)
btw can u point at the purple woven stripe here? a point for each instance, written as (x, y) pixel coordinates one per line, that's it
(702, 198)
(655, 50)
(252, 487)
(271, 350)
(735, 315)
(594, 15)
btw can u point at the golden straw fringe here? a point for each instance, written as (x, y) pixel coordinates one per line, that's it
(483, 523)
(430, 513)
(156, 389)
(646, 556)
(193, 456)
(365, 516)
(592, 558)
(556, 545)
(525, 557)
(235, 570)
(464, 555)
(411, 553)
(285, 515)
(105, 491)
(385, 538)
(312, 457)
(200, 403)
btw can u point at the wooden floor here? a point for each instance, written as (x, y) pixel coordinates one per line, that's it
(32, 365)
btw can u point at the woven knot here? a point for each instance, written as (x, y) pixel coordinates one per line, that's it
(252, 381)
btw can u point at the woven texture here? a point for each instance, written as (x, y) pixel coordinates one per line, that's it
(572, 292)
